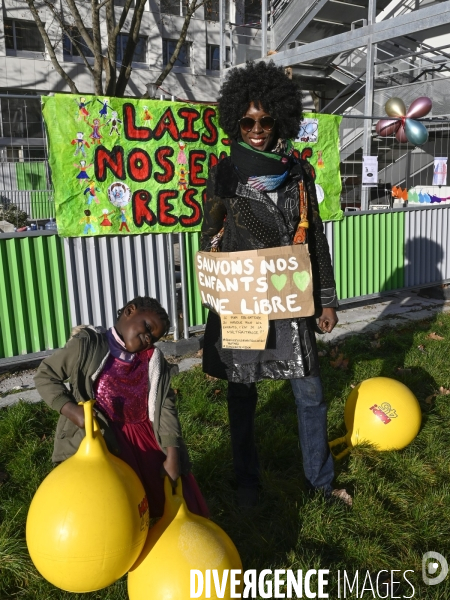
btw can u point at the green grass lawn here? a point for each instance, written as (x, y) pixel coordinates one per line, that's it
(401, 503)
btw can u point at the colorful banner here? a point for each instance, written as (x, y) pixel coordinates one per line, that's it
(318, 143)
(124, 166)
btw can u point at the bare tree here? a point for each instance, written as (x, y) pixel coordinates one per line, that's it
(109, 78)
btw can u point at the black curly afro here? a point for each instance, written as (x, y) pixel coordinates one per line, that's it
(267, 86)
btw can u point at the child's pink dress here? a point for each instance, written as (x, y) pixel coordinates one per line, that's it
(122, 396)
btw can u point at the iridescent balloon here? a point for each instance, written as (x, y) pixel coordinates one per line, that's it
(387, 127)
(395, 107)
(419, 108)
(416, 132)
(401, 135)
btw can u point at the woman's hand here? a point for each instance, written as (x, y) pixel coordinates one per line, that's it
(328, 320)
(74, 412)
(171, 466)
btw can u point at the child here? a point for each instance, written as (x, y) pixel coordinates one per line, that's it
(135, 406)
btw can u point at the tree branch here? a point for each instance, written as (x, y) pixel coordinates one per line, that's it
(48, 45)
(103, 4)
(80, 25)
(133, 38)
(97, 41)
(192, 7)
(123, 16)
(66, 31)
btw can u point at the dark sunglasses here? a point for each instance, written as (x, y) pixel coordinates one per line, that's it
(247, 123)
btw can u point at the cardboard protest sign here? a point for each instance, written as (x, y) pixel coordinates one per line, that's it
(244, 332)
(276, 282)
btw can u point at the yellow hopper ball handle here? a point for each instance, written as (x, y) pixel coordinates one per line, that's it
(338, 442)
(93, 442)
(90, 425)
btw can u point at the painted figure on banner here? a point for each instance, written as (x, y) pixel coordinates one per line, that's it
(123, 220)
(80, 143)
(103, 112)
(95, 135)
(105, 219)
(83, 112)
(114, 120)
(90, 191)
(320, 163)
(182, 181)
(181, 158)
(87, 221)
(82, 166)
(147, 116)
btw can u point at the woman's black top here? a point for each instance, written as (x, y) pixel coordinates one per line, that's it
(254, 220)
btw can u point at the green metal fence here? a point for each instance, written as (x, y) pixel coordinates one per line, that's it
(34, 305)
(369, 253)
(197, 314)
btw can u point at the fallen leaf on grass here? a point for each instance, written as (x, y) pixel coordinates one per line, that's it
(334, 352)
(376, 344)
(352, 385)
(434, 336)
(175, 392)
(199, 353)
(217, 392)
(444, 391)
(402, 370)
(340, 362)
(322, 353)
(429, 399)
(211, 378)
(421, 347)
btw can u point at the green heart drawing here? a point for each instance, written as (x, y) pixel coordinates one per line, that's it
(301, 279)
(278, 281)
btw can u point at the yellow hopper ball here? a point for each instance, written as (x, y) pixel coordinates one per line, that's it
(383, 412)
(179, 542)
(88, 520)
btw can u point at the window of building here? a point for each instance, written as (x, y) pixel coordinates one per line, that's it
(213, 57)
(174, 7)
(22, 36)
(184, 56)
(140, 52)
(20, 118)
(69, 48)
(252, 11)
(212, 10)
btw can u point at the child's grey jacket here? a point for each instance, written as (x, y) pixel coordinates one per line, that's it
(81, 362)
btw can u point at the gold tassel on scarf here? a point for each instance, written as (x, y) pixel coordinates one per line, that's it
(300, 234)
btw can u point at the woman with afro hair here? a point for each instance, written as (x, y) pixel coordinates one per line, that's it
(256, 199)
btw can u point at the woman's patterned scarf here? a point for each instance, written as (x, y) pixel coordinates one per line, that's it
(264, 171)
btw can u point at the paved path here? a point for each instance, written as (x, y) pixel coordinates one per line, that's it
(393, 311)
